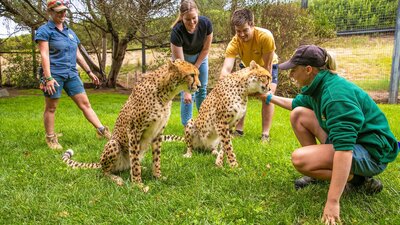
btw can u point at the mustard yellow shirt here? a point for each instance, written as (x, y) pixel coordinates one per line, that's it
(262, 42)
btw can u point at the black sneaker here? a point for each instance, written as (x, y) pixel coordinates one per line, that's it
(237, 133)
(372, 185)
(304, 182)
(369, 186)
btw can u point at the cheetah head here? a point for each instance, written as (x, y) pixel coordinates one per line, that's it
(258, 79)
(188, 73)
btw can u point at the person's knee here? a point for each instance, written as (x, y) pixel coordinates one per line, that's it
(296, 116)
(85, 105)
(51, 109)
(297, 160)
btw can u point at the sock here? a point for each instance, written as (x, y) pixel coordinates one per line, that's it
(357, 180)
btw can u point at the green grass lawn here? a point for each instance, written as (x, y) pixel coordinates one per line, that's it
(36, 187)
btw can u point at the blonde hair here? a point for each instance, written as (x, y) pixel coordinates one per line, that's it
(186, 6)
(330, 63)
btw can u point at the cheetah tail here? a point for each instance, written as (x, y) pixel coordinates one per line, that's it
(171, 138)
(74, 164)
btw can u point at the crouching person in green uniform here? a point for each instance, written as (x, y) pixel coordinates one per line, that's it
(354, 135)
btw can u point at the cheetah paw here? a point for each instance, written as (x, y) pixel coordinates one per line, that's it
(188, 155)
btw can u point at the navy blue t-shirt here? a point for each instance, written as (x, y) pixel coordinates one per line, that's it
(191, 43)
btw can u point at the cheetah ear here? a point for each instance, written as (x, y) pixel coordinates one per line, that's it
(253, 64)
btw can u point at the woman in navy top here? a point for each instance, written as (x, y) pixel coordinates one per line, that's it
(191, 39)
(58, 46)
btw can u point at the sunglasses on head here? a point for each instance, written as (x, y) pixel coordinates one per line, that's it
(58, 3)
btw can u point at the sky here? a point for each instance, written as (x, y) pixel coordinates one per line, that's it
(8, 27)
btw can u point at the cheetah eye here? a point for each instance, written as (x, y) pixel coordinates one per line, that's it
(192, 75)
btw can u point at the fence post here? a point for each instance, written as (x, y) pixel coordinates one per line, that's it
(1, 75)
(304, 4)
(394, 76)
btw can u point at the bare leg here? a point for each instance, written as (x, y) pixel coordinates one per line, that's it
(83, 103)
(49, 114)
(240, 124)
(314, 161)
(267, 112)
(306, 127)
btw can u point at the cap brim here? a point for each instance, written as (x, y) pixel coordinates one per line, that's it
(286, 65)
(60, 8)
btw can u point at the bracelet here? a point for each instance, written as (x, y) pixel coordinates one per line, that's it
(87, 72)
(268, 99)
(49, 78)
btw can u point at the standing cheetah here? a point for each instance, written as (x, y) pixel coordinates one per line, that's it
(221, 111)
(141, 122)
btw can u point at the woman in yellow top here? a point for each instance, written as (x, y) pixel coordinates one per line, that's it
(252, 43)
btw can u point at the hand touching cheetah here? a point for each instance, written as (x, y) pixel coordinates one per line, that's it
(221, 111)
(141, 122)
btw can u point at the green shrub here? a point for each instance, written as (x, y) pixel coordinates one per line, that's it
(355, 14)
(291, 27)
(19, 73)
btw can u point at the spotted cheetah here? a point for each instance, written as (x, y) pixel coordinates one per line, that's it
(221, 111)
(141, 122)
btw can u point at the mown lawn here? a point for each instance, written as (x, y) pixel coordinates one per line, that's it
(36, 187)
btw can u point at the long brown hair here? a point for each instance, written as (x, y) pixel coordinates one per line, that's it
(186, 6)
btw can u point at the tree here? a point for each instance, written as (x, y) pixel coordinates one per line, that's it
(124, 20)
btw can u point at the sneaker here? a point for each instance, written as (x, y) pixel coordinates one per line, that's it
(369, 186)
(52, 142)
(304, 182)
(237, 133)
(265, 138)
(372, 185)
(105, 133)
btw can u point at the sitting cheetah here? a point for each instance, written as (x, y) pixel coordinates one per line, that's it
(222, 109)
(141, 122)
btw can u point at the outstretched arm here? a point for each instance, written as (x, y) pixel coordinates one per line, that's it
(283, 102)
(227, 67)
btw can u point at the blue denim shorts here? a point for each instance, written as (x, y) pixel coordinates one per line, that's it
(72, 86)
(363, 164)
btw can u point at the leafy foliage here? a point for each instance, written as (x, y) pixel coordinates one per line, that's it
(18, 73)
(355, 14)
(291, 27)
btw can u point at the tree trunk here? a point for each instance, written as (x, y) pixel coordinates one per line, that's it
(104, 54)
(118, 56)
(93, 67)
(1, 75)
(33, 46)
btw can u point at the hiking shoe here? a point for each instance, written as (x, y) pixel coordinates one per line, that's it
(304, 182)
(52, 142)
(372, 185)
(369, 186)
(237, 133)
(103, 133)
(265, 138)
